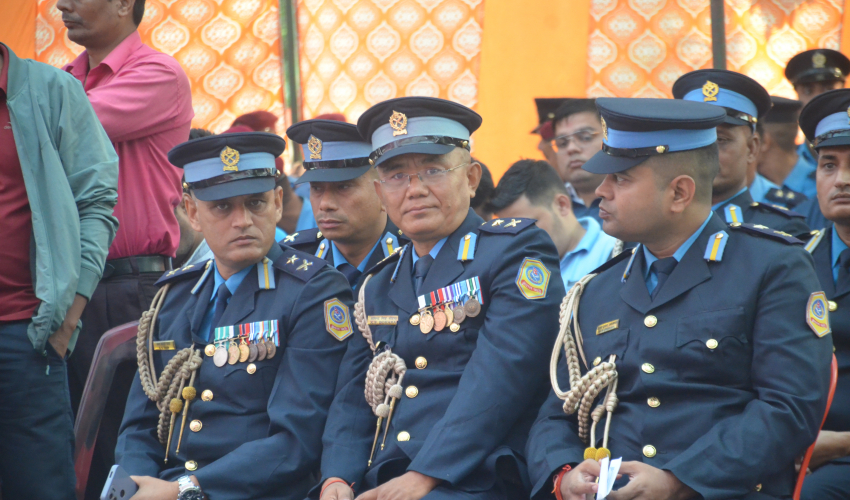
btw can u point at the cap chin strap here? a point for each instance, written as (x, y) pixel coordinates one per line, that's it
(422, 139)
(233, 176)
(829, 135)
(635, 152)
(349, 163)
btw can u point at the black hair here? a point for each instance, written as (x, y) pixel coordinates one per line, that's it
(197, 133)
(701, 164)
(783, 134)
(485, 189)
(534, 179)
(573, 106)
(138, 11)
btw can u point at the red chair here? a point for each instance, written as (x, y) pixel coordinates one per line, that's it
(807, 458)
(117, 346)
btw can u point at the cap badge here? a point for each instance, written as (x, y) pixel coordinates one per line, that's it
(604, 128)
(230, 159)
(818, 60)
(315, 147)
(398, 121)
(710, 91)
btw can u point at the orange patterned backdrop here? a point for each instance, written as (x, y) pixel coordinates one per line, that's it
(230, 49)
(638, 48)
(354, 53)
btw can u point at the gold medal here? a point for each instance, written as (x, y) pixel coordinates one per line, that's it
(472, 307)
(209, 350)
(454, 327)
(426, 322)
(414, 320)
(271, 349)
(252, 353)
(261, 350)
(459, 314)
(244, 352)
(232, 353)
(439, 320)
(450, 315)
(220, 357)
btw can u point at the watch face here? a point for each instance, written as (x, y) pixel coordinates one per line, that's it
(191, 494)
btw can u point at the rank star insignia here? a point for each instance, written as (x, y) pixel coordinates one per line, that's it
(759, 226)
(398, 121)
(292, 260)
(512, 223)
(710, 91)
(305, 265)
(498, 222)
(289, 238)
(230, 159)
(314, 144)
(319, 235)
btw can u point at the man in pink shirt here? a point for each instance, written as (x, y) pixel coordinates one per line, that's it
(143, 100)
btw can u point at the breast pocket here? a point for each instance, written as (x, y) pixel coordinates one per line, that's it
(714, 346)
(252, 386)
(600, 348)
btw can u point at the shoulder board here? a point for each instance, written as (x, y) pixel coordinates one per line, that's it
(386, 261)
(300, 264)
(625, 254)
(182, 273)
(505, 226)
(767, 207)
(760, 230)
(303, 237)
(816, 236)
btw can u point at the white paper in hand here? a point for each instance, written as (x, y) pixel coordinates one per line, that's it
(607, 475)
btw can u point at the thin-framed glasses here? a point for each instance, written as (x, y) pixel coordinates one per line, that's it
(583, 138)
(429, 177)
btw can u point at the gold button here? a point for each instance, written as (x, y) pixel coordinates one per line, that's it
(411, 391)
(754, 204)
(660, 149)
(196, 425)
(833, 306)
(207, 395)
(711, 344)
(647, 368)
(421, 363)
(735, 224)
(252, 369)
(404, 436)
(210, 349)
(650, 321)
(649, 451)
(389, 240)
(653, 402)
(597, 361)
(191, 465)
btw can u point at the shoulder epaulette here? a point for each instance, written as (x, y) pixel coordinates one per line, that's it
(767, 207)
(785, 196)
(815, 239)
(184, 272)
(761, 230)
(625, 254)
(303, 237)
(300, 264)
(504, 226)
(386, 261)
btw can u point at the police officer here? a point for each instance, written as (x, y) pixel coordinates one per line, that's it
(238, 356)
(707, 347)
(744, 102)
(812, 73)
(456, 327)
(827, 126)
(354, 231)
(777, 154)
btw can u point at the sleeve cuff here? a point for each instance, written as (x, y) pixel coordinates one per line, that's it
(88, 282)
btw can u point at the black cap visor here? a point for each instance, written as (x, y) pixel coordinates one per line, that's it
(332, 174)
(427, 148)
(820, 75)
(605, 163)
(837, 138)
(230, 189)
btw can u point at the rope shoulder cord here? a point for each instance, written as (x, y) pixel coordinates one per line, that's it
(172, 382)
(583, 389)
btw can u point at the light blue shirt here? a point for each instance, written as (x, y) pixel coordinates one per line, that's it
(649, 277)
(592, 251)
(433, 253)
(718, 205)
(760, 187)
(802, 176)
(305, 221)
(232, 283)
(838, 246)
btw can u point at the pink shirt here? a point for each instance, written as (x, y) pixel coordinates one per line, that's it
(143, 100)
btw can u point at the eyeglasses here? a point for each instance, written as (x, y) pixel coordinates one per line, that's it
(582, 138)
(429, 177)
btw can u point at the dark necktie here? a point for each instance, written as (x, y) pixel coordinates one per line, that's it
(420, 270)
(843, 269)
(221, 297)
(662, 269)
(350, 272)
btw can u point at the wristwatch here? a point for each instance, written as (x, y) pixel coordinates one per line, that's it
(188, 490)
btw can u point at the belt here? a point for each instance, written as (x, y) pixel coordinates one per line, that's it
(136, 265)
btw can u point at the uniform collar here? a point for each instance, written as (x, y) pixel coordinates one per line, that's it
(434, 251)
(739, 193)
(232, 283)
(680, 252)
(339, 259)
(837, 247)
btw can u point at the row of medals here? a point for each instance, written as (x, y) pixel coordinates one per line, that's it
(446, 314)
(262, 349)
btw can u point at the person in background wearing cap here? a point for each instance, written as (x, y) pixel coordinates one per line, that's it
(827, 127)
(240, 354)
(745, 102)
(546, 107)
(695, 345)
(777, 154)
(457, 327)
(812, 73)
(578, 136)
(354, 232)
(531, 189)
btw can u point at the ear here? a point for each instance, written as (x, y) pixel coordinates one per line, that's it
(125, 7)
(473, 177)
(683, 189)
(766, 142)
(278, 203)
(753, 146)
(191, 206)
(562, 204)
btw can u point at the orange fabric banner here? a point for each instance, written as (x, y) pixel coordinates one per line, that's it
(17, 26)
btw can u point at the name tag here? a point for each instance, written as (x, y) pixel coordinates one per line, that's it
(164, 345)
(382, 320)
(607, 327)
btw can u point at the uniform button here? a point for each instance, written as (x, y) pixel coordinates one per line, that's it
(647, 368)
(758, 487)
(649, 451)
(207, 395)
(191, 465)
(650, 321)
(389, 240)
(597, 361)
(421, 363)
(196, 425)
(209, 350)
(653, 402)
(711, 344)
(404, 436)
(833, 306)
(411, 391)
(252, 369)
